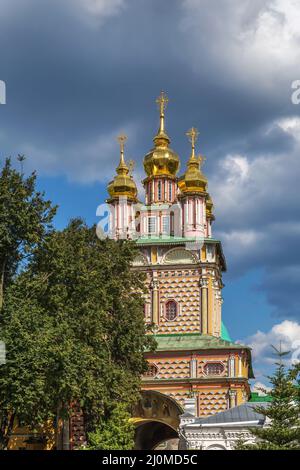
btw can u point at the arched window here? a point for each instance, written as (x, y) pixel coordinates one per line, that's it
(170, 191)
(214, 368)
(172, 223)
(152, 371)
(159, 190)
(171, 310)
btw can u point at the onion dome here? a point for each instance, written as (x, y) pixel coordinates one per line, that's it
(209, 208)
(193, 180)
(123, 184)
(161, 160)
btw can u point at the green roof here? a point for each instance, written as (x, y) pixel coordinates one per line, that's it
(192, 341)
(255, 397)
(169, 240)
(224, 333)
(197, 342)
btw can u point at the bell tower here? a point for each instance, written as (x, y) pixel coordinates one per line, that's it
(195, 357)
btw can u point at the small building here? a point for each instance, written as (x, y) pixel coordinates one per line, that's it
(223, 430)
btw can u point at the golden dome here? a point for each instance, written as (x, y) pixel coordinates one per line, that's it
(193, 180)
(161, 160)
(209, 208)
(123, 183)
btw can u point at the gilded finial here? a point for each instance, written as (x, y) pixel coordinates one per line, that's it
(193, 136)
(201, 159)
(122, 139)
(162, 102)
(122, 165)
(131, 164)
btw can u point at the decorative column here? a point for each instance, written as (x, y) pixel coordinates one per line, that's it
(240, 370)
(210, 312)
(193, 368)
(232, 398)
(204, 305)
(155, 300)
(231, 366)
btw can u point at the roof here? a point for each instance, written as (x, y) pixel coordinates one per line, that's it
(197, 342)
(257, 398)
(192, 341)
(238, 414)
(224, 333)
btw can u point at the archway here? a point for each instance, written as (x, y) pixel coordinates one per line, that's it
(156, 417)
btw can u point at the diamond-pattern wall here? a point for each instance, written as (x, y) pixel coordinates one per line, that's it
(171, 368)
(183, 287)
(211, 402)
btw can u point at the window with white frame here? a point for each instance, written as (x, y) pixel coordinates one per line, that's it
(151, 224)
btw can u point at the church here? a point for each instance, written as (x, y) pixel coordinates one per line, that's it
(196, 372)
(196, 367)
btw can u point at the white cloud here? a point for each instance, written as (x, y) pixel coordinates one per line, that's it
(252, 40)
(286, 333)
(237, 167)
(260, 388)
(291, 125)
(257, 199)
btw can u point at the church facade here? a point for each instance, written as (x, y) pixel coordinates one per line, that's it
(195, 358)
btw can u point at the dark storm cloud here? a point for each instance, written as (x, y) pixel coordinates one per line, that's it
(78, 72)
(71, 80)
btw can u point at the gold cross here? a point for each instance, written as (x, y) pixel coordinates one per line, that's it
(193, 136)
(201, 159)
(162, 102)
(122, 139)
(131, 166)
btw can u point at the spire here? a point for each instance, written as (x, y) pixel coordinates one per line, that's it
(161, 136)
(122, 168)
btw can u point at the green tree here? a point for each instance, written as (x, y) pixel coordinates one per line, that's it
(283, 430)
(74, 330)
(28, 335)
(25, 218)
(115, 432)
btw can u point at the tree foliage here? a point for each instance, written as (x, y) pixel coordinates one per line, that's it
(72, 320)
(282, 429)
(25, 218)
(114, 433)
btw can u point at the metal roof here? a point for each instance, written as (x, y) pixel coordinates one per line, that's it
(238, 414)
(197, 342)
(193, 341)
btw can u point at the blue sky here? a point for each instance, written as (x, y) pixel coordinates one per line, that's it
(80, 71)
